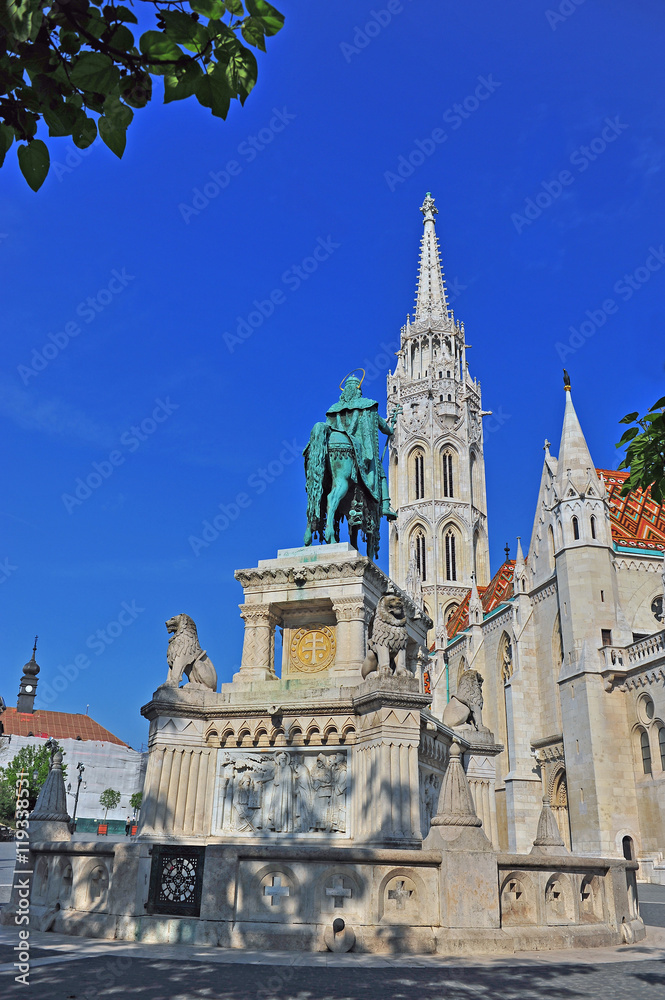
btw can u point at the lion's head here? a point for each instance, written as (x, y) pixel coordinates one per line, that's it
(180, 623)
(469, 690)
(391, 610)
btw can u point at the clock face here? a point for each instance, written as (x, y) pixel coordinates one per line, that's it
(28, 688)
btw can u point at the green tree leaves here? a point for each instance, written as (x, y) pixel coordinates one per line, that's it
(645, 451)
(66, 61)
(29, 760)
(34, 162)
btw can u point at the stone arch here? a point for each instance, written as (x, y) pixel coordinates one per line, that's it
(97, 884)
(550, 548)
(559, 901)
(405, 906)
(452, 549)
(517, 900)
(591, 902)
(475, 480)
(448, 610)
(449, 470)
(275, 889)
(557, 789)
(642, 751)
(65, 880)
(461, 668)
(417, 464)
(419, 546)
(41, 880)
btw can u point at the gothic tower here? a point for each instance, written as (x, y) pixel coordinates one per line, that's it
(437, 468)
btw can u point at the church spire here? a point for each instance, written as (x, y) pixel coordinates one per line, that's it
(431, 303)
(28, 686)
(575, 462)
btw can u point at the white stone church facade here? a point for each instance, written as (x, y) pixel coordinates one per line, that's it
(569, 637)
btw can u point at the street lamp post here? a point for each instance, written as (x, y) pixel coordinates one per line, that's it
(80, 768)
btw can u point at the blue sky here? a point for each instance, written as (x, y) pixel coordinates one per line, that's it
(561, 120)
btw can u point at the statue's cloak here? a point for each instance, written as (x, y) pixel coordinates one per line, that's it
(359, 420)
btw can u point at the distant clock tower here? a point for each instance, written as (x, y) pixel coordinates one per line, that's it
(28, 686)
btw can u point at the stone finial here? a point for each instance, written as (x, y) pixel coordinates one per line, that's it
(548, 838)
(52, 800)
(455, 802)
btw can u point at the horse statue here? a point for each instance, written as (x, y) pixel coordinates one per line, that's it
(344, 471)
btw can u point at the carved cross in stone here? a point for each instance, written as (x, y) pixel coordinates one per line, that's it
(316, 646)
(400, 893)
(338, 892)
(276, 890)
(514, 890)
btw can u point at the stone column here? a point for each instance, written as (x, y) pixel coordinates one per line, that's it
(352, 619)
(258, 651)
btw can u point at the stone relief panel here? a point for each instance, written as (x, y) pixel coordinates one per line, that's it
(304, 793)
(430, 786)
(312, 649)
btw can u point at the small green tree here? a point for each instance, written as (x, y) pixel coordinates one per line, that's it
(135, 801)
(109, 799)
(28, 760)
(645, 454)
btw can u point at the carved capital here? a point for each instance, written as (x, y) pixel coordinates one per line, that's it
(258, 615)
(349, 609)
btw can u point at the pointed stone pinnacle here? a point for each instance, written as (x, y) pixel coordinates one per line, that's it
(455, 802)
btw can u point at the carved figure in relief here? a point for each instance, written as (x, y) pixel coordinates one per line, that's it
(466, 705)
(304, 793)
(429, 800)
(282, 792)
(322, 780)
(281, 814)
(338, 821)
(185, 656)
(388, 638)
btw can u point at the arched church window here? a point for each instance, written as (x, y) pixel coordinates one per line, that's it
(645, 750)
(440, 399)
(593, 526)
(440, 374)
(451, 555)
(447, 374)
(576, 528)
(550, 539)
(448, 490)
(419, 475)
(450, 398)
(661, 745)
(420, 548)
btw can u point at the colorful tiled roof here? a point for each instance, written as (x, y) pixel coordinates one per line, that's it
(59, 725)
(637, 520)
(500, 588)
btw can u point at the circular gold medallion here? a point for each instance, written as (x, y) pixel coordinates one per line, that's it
(312, 649)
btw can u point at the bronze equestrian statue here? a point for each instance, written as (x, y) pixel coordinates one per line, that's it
(344, 472)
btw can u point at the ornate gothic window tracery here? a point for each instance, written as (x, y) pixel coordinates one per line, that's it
(451, 555)
(419, 475)
(421, 554)
(448, 483)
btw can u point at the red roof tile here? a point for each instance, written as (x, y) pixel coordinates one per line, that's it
(636, 519)
(500, 588)
(59, 725)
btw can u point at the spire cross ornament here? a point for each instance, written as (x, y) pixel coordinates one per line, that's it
(506, 549)
(34, 648)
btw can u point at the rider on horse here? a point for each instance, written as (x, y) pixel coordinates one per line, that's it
(345, 474)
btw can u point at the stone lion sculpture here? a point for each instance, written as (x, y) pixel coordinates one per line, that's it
(466, 705)
(388, 640)
(185, 656)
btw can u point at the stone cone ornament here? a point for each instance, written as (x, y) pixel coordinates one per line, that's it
(455, 802)
(52, 800)
(548, 838)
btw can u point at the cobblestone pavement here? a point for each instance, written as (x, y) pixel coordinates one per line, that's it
(148, 979)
